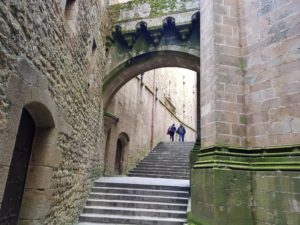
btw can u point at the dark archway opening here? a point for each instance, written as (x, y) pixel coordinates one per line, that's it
(15, 184)
(119, 157)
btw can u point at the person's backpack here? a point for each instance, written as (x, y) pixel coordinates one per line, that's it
(169, 129)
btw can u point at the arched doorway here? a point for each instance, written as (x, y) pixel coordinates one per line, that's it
(119, 157)
(19, 202)
(121, 153)
(15, 184)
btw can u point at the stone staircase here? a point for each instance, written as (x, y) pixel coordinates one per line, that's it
(167, 160)
(144, 200)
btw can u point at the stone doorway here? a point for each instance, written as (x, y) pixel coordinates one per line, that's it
(27, 192)
(119, 157)
(15, 184)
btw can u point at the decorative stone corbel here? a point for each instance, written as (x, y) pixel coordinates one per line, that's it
(156, 36)
(184, 33)
(130, 39)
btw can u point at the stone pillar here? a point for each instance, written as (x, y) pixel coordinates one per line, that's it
(198, 140)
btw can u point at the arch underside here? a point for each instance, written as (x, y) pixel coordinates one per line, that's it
(143, 63)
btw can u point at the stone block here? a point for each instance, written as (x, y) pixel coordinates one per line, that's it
(282, 127)
(223, 128)
(35, 204)
(238, 130)
(229, 107)
(295, 122)
(46, 136)
(29, 222)
(258, 117)
(27, 72)
(240, 215)
(39, 177)
(229, 117)
(19, 91)
(7, 143)
(265, 216)
(232, 140)
(45, 155)
(221, 9)
(293, 218)
(3, 178)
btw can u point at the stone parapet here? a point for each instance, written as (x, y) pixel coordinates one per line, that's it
(237, 186)
(271, 158)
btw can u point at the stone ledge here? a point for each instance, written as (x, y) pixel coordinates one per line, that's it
(285, 158)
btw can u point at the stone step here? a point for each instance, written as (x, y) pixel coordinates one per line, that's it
(158, 169)
(89, 223)
(171, 152)
(169, 164)
(172, 159)
(134, 212)
(140, 191)
(167, 172)
(163, 186)
(138, 220)
(163, 167)
(158, 176)
(167, 156)
(167, 159)
(136, 204)
(148, 198)
(165, 164)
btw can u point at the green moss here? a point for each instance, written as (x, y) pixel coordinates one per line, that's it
(140, 45)
(243, 65)
(114, 12)
(157, 6)
(243, 119)
(96, 173)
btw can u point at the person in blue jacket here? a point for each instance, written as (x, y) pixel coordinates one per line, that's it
(181, 132)
(171, 132)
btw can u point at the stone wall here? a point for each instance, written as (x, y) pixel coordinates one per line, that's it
(222, 91)
(270, 38)
(160, 97)
(249, 72)
(235, 186)
(249, 99)
(52, 62)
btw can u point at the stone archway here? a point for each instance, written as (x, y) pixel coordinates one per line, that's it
(145, 43)
(170, 38)
(27, 91)
(145, 62)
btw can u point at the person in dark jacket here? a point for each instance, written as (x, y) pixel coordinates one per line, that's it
(171, 132)
(181, 132)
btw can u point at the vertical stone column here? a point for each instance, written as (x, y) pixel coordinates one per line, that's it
(198, 139)
(222, 93)
(221, 195)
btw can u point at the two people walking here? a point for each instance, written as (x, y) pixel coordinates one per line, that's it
(180, 131)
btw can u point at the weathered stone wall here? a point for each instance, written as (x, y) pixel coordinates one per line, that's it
(244, 197)
(54, 57)
(249, 72)
(270, 38)
(237, 186)
(276, 197)
(222, 99)
(161, 97)
(249, 98)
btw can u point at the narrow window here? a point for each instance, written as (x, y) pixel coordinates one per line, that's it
(94, 46)
(71, 12)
